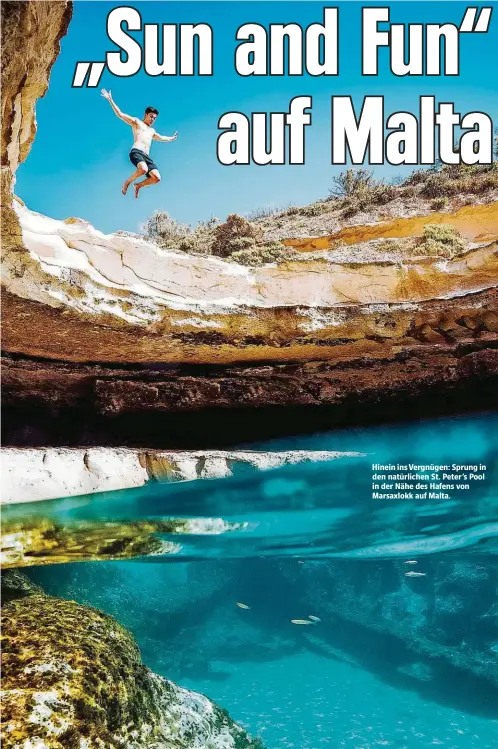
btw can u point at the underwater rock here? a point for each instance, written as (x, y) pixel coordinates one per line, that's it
(419, 671)
(40, 540)
(225, 635)
(405, 606)
(144, 603)
(36, 474)
(16, 585)
(73, 678)
(388, 607)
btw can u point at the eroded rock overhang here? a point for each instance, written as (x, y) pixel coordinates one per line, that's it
(110, 325)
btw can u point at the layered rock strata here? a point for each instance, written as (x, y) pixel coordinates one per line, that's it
(104, 335)
(121, 299)
(36, 29)
(114, 326)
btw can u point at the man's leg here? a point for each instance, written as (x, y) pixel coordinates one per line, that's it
(153, 179)
(141, 170)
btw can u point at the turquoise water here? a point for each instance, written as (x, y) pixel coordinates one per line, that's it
(391, 659)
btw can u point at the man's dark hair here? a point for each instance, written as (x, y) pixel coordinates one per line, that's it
(152, 110)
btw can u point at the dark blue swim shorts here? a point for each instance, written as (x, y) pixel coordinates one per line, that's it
(136, 156)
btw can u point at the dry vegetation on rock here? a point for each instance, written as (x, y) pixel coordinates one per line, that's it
(356, 196)
(440, 240)
(237, 239)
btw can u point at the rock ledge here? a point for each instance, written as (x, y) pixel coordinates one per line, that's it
(34, 474)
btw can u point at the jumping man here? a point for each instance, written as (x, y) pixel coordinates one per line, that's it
(143, 135)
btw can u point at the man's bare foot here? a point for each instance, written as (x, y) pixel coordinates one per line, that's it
(125, 187)
(137, 190)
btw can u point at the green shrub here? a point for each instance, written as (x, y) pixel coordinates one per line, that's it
(387, 245)
(439, 203)
(440, 240)
(164, 230)
(236, 239)
(267, 253)
(360, 191)
(352, 182)
(168, 233)
(436, 187)
(259, 213)
(458, 179)
(313, 210)
(234, 235)
(383, 193)
(407, 191)
(417, 177)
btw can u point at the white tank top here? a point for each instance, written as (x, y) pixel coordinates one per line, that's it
(143, 135)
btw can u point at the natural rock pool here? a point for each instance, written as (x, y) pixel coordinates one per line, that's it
(385, 657)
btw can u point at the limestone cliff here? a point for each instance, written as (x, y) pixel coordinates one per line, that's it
(105, 334)
(115, 326)
(31, 32)
(127, 300)
(73, 678)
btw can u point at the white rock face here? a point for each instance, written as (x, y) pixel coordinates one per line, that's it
(34, 474)
(130, 263)
(73, 265)
(31, 475)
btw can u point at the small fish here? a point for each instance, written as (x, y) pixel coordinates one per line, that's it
(242, 605)
(314, 618)
(301, 621)
(414, 574)
(411, 561)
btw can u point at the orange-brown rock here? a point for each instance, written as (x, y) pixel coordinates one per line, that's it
(31, 33)
(477, 223)
(105, 334)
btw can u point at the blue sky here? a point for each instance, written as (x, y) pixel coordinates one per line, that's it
(80, 155)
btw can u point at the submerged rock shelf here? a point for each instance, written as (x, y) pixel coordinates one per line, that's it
(73, 677)
(42, 540)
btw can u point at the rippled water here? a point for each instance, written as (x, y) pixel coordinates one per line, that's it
(395, 660)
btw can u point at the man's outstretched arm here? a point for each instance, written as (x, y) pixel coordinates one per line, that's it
(125, 117)
(165, 138)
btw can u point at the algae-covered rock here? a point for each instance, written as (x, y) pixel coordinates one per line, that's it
(73, 679)
(37, 540)
(16, 585)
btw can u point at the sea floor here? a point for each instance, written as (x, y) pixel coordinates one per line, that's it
(305, 701)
